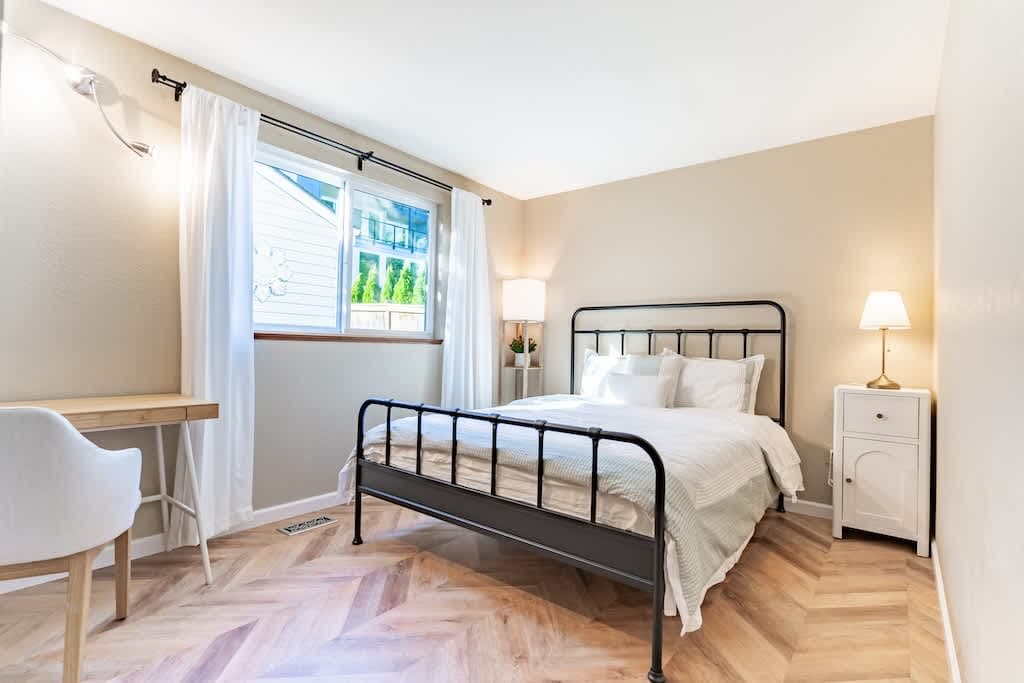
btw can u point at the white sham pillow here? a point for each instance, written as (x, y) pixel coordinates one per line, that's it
(754, 364)
(718, 383)
(595, 369)
(651, 391)
(667, 366)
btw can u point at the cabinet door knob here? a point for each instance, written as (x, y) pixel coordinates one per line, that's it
(879, 416)
(849, 480)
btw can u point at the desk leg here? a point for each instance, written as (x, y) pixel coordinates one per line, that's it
(163, 486)
(193, 483)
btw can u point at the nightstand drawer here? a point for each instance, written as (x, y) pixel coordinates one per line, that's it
(881, 415)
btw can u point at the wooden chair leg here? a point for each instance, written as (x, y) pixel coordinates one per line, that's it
(122, 572)
(79, 590)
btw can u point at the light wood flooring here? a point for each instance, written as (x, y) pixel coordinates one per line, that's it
(424, 601)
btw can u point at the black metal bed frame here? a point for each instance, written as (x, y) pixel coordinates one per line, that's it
(624, 556)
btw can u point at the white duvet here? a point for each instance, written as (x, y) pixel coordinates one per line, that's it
(722, 470)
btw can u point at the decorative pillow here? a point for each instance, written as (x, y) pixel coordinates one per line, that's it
(651, 391)
(668, 366)
(718, 383)
(595, 368)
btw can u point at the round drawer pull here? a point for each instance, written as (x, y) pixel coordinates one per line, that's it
(879, 416)
(849, 480)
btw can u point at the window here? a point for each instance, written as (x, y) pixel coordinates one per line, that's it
(390, 256)
(335, 253)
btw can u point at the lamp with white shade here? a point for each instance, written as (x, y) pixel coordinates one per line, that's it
(522, 301)
(884, 310)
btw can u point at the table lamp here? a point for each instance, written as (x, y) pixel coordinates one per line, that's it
(522, 301)
(884, 311)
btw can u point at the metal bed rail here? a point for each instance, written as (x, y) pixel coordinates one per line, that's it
(622, 555)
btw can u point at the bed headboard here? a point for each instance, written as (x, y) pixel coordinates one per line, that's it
(659, 331)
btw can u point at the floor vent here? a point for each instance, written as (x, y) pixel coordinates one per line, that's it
(308, 525)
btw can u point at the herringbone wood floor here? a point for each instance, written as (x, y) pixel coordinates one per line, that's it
(425, 601)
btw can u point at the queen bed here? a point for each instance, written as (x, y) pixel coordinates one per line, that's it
(611, 480)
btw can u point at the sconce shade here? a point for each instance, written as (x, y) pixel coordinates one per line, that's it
(884, 310)
(523, 299)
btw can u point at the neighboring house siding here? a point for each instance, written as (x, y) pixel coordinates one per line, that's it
(288, 220)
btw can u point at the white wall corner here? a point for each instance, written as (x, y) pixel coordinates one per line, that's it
(947, 628)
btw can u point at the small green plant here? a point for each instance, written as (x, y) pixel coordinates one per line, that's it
(517, 345)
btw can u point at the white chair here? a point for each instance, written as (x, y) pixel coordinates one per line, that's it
(62, 500)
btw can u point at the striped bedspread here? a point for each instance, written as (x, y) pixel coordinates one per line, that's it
(722, 471)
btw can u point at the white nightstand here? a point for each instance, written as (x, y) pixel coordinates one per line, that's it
(881, 466)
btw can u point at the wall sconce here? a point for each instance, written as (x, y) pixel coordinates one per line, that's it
(83, 81)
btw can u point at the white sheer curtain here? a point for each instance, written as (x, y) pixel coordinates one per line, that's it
(218, 150)
(467, 378)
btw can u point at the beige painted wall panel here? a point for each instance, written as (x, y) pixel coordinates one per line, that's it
(89, 254)
(307, 397)
(814, 225)
(979, 332)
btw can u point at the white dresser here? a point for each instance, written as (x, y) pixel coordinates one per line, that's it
(881, 462)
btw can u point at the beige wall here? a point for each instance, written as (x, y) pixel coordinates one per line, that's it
(89, 256)
(814, 226)
(979, 305)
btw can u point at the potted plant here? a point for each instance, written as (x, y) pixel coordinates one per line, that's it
(517, 348)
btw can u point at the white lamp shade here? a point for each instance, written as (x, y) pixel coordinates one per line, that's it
(523, 299)
(884, 309)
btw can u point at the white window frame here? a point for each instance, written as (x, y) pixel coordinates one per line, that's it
(396, 195)
(347, 182)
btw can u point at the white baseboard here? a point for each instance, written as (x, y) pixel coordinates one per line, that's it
(151, 545)
(292, 509)
(808, 507)
(947, 629)
(141, 547)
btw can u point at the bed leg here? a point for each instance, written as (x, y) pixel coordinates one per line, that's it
(781, 505)
(656, 675)
(357, 538)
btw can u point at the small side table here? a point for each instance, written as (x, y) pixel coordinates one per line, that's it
(881, 468)
(512, 382)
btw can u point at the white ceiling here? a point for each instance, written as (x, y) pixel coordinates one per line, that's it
(534, 97)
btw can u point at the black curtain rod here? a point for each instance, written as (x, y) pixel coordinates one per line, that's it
(360, 155)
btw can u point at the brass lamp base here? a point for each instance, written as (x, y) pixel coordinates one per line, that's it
(882, 382)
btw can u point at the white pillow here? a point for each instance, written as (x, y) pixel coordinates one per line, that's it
(668, 366)
(755, 364)
(595, 368)
(651, 391)
(718, 383)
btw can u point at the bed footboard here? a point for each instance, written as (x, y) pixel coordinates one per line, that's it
(621, 555)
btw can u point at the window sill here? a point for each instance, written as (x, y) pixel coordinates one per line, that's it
(365, 339)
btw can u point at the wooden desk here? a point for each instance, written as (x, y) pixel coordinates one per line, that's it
(149, 410)
(126, 412)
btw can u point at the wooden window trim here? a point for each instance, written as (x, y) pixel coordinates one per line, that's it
(364, 339)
